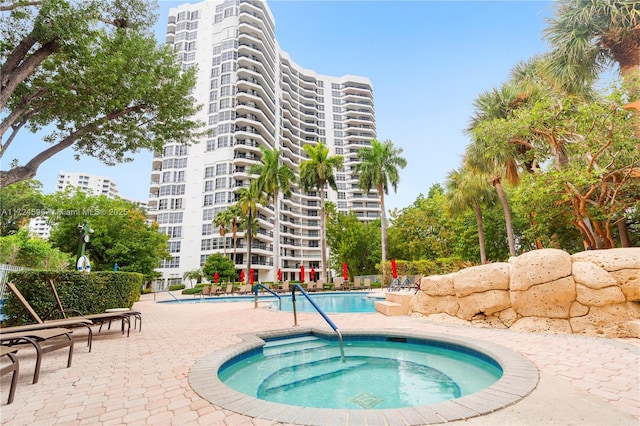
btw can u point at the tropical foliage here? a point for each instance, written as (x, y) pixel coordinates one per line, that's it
(315, 173)
(90, 76)
(120, 232)
(378, 168)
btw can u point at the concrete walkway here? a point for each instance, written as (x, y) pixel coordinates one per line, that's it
(142, 380)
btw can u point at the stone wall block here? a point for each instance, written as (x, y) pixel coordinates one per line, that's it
(613, 259)
(426, 305)
(551, 299)
(578, 310)
(601, 297)
(601, 320)
(629, 282)
(494, 276)
(537, 267)
(438, 285)
(591, 275)
(508, 316)
(486, 303)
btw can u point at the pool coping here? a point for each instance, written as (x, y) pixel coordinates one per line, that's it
(520, 377)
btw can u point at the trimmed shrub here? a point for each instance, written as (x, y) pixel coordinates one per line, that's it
(84, 293)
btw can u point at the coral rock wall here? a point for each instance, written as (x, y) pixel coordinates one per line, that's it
(592, 292)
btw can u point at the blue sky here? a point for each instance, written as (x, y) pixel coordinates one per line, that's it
(427, 61)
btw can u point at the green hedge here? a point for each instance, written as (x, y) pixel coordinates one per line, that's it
(87, 293)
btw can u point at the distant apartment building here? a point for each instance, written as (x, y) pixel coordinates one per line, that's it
(85, 182)
(254, 95)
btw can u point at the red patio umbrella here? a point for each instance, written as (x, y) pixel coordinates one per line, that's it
(279, 275)
(251, 276)
(394, 269)
(242, 276)
(345, 271)
(301, 273)
(216, 277)
(312, 274)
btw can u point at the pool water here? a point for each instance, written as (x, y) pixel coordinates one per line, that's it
(377, 372)
(335, 302)
(330, 303)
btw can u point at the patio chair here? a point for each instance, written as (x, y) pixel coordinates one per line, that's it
(346, 286)
(206, 291)
(285, 287)
(356, 284)
(54, 323)
(229, 289)
(113, 314)
(320, 285)
(43, 341)
(367, 284)
(14, 368)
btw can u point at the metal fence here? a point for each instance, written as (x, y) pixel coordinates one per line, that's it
(4, 271)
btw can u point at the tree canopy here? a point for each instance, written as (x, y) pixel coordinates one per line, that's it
(120, 232)
(91, 75)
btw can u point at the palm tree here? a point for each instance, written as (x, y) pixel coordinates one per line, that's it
(491, 157)
(316, 172)
(379, 168)
(221, 220)
(234, 213)
(273, 178)
(587, 35)
(465, 189)
(195, 275)
(249, 197)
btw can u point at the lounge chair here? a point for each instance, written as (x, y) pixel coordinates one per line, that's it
(367, 284)
(206, 291)
(356, 284)
(284, 288)
(14, 368)
(320, 285)
(55, 323)
(113, 314)
(337, 283)
(41, 340)
(229, 289)
(346, 286)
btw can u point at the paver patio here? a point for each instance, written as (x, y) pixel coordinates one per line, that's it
(142, 380)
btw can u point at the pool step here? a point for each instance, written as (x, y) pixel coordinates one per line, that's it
(316, 371)
(279, 347)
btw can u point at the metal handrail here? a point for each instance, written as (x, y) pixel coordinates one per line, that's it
(320, 311)
(255, 298)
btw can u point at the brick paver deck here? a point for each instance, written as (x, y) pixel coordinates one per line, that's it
(142, 380)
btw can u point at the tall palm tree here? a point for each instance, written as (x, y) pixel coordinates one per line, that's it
(465, 189)
(221, 220)
(588, 35)
(234, 213)
(249, 197)
(379, 168)
(491, 157)
(316, 172)
(273, 177)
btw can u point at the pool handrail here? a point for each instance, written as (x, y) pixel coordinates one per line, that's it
(320, 311)
(255, 291)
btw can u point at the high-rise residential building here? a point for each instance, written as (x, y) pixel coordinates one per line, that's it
(88, 183)
(85, 182)
(254, 95)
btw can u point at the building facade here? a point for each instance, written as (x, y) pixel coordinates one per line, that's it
(254, 95)
(87, 183)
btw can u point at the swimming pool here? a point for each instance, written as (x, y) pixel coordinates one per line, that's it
(519, 378)
(334, 302)
(377, 372)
